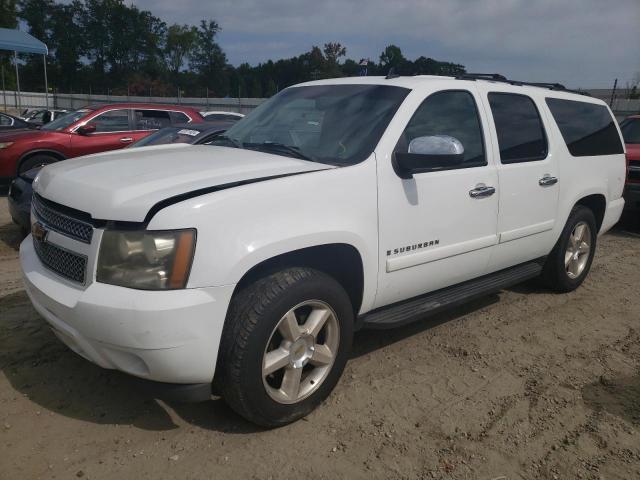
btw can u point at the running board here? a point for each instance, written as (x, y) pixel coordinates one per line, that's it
(417, 308)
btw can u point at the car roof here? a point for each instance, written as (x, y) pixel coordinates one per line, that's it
(439, 81)
(220, 112)
(98, 106)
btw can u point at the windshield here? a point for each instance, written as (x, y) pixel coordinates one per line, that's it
(168, 135)
(65, 120)
(335, 124)
(631, 130)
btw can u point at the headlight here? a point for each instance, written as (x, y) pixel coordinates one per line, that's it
(146, 260)
(5, 144)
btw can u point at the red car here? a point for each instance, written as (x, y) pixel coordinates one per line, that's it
(631, 133)
(88, 130)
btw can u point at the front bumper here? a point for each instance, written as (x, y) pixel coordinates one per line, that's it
(164, 336)
(632, 197)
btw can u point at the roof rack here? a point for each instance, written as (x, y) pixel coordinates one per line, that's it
(482, 76)
(496, 77)
(391, 74)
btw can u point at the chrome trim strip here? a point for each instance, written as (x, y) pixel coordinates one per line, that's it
(73, 130)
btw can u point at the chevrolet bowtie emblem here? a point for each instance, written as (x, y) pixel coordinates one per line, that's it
(39, 232)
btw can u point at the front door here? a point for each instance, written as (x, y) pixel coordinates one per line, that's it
(435, 229)
(113, 131)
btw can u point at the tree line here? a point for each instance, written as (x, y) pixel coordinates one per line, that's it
(108, 47)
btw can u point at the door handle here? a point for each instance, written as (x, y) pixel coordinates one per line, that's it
(126, 139)
(482, 191)
(547, 180)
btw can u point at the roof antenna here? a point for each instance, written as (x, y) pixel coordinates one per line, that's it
(392, 74)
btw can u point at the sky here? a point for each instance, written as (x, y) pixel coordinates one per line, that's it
(581, 43)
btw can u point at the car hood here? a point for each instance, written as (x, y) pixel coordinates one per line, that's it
(124, 185)
(26, 133)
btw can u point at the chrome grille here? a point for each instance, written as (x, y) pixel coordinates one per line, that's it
(65, 263)
(61, 223)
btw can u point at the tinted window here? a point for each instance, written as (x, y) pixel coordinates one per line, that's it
(520, 132)
(587, 128)
(38, 116)
(451, 113)
(631, 130)
(112, 121)
(168, 135)
(65, 120)
(179, 117)
(151, 119)
(221, 116)
(336, 124)
(5, 121)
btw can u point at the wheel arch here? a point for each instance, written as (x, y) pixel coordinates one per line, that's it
(41, 151)
(597, 203)
(341, 261)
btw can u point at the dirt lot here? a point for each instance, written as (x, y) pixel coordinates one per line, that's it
(524, 384)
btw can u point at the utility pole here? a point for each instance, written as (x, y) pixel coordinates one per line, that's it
(613, 93)
(46, 83)
(4, 90)
(18, 99)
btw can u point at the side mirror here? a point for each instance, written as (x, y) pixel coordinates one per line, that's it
(428, 154)
(86, 129)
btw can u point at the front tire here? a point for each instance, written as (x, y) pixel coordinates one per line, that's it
(285, 343)
(569, 262)
(37, 160)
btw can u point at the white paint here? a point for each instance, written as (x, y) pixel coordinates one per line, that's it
(173, 336)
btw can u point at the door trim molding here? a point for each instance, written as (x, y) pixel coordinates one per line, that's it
(526, 231)
(419, 258)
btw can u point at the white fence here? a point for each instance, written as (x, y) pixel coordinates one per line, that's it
(11, 101)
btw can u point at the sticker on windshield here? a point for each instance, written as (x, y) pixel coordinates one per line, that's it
(186, 131)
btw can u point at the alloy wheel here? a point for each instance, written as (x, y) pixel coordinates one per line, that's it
(578, 250)
(300, 352)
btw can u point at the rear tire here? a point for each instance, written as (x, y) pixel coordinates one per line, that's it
(285, 343)
(36, 161)
(569, 262)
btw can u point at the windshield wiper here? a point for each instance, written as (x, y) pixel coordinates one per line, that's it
(226, 139)
(280, 147)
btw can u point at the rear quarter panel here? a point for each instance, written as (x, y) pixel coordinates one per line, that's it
(583, 176)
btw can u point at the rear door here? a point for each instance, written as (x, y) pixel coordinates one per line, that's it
(146, 121)
(113, 131)
(528, 176)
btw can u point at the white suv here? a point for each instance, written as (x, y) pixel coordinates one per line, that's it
(246, 265)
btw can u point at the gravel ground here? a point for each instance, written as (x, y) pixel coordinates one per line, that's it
(522, 384)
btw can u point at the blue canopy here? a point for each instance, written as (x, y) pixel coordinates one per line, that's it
(21, 42)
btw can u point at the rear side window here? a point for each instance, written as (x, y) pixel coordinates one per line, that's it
(220, 116)
(588, 129)
(151, 119)
(179, 117)
(521, 136)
